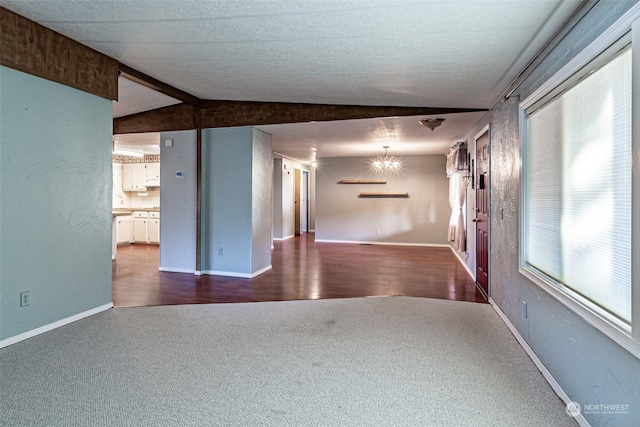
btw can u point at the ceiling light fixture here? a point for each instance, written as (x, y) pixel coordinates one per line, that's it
(386, 163)
(121, 152)
(431, 123)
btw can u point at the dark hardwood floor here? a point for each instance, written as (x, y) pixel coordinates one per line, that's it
(301, 270)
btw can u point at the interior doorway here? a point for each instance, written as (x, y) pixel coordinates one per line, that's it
(301, 201)
(296, 202)
(305, 202)
(136, 192)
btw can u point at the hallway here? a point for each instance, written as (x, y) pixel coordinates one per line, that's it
(302, 270)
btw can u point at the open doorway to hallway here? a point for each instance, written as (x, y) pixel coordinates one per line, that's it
(301, 201)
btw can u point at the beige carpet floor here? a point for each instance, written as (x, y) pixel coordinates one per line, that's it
(394, 361)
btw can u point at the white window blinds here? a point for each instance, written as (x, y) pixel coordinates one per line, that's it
(577, 187)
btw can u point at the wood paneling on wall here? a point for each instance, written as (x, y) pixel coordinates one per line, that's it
(29, 47)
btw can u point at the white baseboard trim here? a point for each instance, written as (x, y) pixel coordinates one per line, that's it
(284, 238)
(51, 326)
(580, 419)
(463, 262)
(197, 273)
(366, 242)
(177, 270)
(236, 274)
(262, 270)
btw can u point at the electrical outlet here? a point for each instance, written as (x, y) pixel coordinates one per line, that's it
(220, 252)
(377, 231)
(524, 309)
(25, 299)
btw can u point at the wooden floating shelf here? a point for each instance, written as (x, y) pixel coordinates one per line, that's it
(396, 195)
(363, 181)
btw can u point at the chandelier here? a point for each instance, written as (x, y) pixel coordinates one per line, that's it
(386, 163)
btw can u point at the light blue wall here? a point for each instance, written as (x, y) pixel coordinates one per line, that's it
(422, 218)
(55, 192)
(231, 175)
(589, 366)
(178, 202)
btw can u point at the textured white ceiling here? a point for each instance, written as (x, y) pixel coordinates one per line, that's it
(135, 98)
(433, 53)
(147, 143)
(438, 53)
(357, 138)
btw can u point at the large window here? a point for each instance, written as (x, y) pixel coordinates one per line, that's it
(578, 192)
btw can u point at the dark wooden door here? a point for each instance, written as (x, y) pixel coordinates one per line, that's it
(296, 202)
(482, 212)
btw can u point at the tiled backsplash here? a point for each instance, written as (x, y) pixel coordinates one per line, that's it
(148, 158)
(151, 200)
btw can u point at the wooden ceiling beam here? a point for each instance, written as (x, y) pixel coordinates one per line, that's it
(215, 114)
(171, 118)
(247, 113)
(32, 48)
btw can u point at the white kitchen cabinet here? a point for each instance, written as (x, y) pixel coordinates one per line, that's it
(152, 174)
(153, 230)
(128, 176)
(134, 177)
(140, 230)
(123, 227)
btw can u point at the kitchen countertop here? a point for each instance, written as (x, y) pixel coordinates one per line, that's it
(136, 209)
(129, 211)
